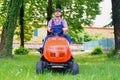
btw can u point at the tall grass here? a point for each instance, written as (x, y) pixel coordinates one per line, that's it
(91, 68)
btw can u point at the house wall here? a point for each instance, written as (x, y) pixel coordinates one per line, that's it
(41, 34)
(105, 32)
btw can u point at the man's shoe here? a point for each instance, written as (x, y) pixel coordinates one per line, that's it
(40, 50)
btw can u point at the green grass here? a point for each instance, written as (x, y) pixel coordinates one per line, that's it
(91, 68)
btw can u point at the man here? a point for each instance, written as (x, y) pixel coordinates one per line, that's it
(58, 26)
(57, 21)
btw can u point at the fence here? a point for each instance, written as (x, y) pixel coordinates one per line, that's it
(106, 44)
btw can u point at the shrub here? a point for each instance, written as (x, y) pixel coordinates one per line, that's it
(28, 31)
(97, 50)
(111, 52)
(77, 37)
(21, 51)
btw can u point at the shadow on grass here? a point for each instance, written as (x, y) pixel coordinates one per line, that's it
(57, 71)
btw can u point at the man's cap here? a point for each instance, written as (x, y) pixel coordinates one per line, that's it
(58, 9)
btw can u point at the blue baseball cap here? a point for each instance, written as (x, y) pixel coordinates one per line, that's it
(58, 9)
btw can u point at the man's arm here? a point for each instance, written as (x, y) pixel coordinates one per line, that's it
(65, 26)
(49, 29)
(49, 26)
(65, 29)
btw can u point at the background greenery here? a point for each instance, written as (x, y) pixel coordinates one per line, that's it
(83, 36)
(77, 13)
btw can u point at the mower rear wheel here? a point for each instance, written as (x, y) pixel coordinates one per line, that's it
(75, 69)
(39, 67)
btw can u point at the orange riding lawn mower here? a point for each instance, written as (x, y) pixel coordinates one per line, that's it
(57, 54)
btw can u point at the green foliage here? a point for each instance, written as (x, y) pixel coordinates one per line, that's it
(21, 51)
(28, 33)
(79, 36)
(111, 52)
(87, 36)
(97, 36)
(97, 50)
(9, 27)
(35, 12)
(3, 10)
(78, 13)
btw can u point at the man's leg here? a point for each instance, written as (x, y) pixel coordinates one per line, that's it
(67, 37)
(42, 48)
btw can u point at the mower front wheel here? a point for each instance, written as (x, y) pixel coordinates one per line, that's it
(39, 67)
(75, 69)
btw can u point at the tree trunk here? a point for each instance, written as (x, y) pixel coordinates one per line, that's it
(58, 4)
(116, 23)
(22, 25)
(49, 12)
(9, 28)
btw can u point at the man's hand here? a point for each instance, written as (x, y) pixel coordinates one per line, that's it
(64, 29)
(49, 29)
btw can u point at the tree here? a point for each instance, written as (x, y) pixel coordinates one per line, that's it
(58, 4)
(28, 30)
(78, 13)
(3, 10)
(22, 24)
(49, 12)
(116, 23)
(9, 28)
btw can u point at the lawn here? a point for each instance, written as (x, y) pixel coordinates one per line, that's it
(91, 68)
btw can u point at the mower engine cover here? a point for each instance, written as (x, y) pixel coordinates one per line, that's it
(57, 50)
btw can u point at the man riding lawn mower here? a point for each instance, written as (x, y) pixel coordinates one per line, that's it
(56, 52)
